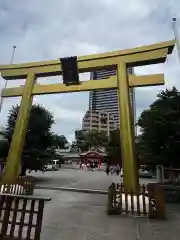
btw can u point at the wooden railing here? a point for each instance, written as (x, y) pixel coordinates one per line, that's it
(171, 175)
(168, 175)
(21, 217)
(20, 186)
(149, 201)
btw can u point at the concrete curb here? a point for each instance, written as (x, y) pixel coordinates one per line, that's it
(68, 189)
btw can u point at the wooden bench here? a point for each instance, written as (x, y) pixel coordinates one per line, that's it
(20, 186)
(21, 217)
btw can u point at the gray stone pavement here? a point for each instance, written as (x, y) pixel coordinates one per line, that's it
(79, 179)
(81, 216)
(73, 215)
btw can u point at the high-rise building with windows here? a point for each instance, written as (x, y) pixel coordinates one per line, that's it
(98, 121)
(107, 100)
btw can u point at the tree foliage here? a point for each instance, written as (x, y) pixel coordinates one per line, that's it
(38, 137)
(80, 143)
(113, 147)
(159, 142)
(89, 139)
(74, 147)
(4, 147)
(96, 138)
(39, 127)
(59, 141)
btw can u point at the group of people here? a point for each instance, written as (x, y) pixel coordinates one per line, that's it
(113, 169)
(92, 165)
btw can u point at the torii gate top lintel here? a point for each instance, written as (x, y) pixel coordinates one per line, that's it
(150, 54)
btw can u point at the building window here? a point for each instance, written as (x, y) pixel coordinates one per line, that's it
(103, 120)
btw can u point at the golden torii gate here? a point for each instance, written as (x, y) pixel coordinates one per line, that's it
(118, 60)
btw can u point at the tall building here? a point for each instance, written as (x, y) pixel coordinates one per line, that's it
(107, 100)
(99, 121)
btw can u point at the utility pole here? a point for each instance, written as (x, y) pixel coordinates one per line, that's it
(108, 124)
(134, 111)
(6, 81)
(176, 35)
(133, 105)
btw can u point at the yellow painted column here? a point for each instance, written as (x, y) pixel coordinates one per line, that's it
(14, 155)
(131, 177)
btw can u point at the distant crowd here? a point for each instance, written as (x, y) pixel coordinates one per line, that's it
(113, 169)
(96, 165)
(92, 165)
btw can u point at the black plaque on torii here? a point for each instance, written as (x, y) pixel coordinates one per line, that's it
(70, 71)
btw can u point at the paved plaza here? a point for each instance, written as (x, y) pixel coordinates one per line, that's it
(79, 179)
(81, 216)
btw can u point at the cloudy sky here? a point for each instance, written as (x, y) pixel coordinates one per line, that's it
(44, 30)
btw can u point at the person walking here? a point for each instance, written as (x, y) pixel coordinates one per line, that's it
(107, 169)
(117, 169)
(82, 166)
(112, 170)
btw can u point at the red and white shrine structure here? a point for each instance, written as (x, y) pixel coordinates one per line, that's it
(93, 155)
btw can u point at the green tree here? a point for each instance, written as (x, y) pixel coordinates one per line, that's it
(96, 139)
(59, 141)
(143, 155)
(74, 147)
(160, 127)
(4, 147)
(80, 143)
(114, 148)
(89, 139)
(39, 138)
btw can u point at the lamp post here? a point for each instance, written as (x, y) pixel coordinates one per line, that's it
(176, 35)
(6, 81)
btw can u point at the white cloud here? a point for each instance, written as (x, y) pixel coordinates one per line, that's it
(44, 30)
(61, 113)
